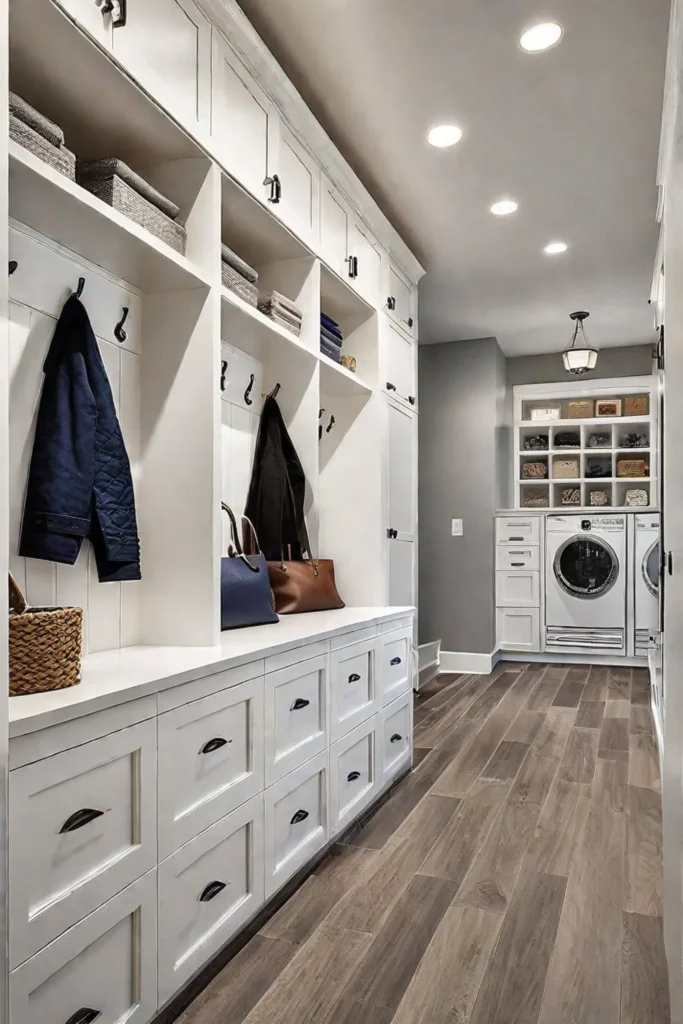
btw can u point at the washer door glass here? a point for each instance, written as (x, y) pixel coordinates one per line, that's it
(586, 567)
(651, 569)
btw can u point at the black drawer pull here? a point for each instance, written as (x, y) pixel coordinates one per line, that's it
(395, 661)
(211, 891)
(84, 1016)
(215, 744)
(352, 776)
(299, 816)
(518, 540)
(390, 386)
(299, 703)
(396, 737)
(354, 677)
(77, 820)
(517, 565)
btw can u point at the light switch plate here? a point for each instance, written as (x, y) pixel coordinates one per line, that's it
(456, 527)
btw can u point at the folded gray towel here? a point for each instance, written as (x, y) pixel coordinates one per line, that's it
(34, 119)
(276, 298)
(234, 261)
(96, 170)
(285, 322)
(272, 309)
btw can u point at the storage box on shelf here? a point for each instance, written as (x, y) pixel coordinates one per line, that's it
(518, 586)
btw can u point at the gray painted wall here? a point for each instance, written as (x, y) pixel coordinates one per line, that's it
(632, 361)
(462, 440)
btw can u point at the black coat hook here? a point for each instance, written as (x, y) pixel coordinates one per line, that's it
(248, 400)
(119, 332)
(81, 286)
(274, 392)
(329, 426)
(12, 266)
(224, 370)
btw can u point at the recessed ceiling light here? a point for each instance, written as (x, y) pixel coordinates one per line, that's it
(541, 37)
(444, 135)
(504, 207)
(554, 248)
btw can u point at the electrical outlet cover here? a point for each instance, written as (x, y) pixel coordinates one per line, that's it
(456, 527)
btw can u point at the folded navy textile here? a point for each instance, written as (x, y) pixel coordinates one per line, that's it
(332, 338)
(331, 351)
(331, 324)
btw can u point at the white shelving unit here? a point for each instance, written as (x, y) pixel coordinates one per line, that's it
(601, 443)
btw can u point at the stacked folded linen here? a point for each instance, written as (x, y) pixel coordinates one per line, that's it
(40, 136)
(331, 338)
(94, 170)
(238, 276)
(282, 311)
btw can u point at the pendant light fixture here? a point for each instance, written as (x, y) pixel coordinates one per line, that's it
(579, 356)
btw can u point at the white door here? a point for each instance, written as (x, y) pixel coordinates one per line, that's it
(90, 17)
(401, 305)
(335, 228)
(166, 46)
(297, 198)
(401, 503)
(367, 264)
(240, 119)
(400, 365)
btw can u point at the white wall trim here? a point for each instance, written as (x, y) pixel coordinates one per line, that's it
(472, 664)
(566, 658)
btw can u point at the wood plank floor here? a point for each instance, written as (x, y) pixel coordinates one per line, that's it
(514, 877)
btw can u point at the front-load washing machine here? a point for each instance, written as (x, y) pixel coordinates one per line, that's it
(646, 581)
(586, 583)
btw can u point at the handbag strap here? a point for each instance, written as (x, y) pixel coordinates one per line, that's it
(253, 535)
(235, 538)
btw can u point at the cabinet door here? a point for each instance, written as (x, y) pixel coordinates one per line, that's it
(335, 228)
(402, 300)
(400, 365)
(240, 119)
(299, 175)
(401, 501)
(368, 252)
(518, 629)
(91, 18)
(166, 46)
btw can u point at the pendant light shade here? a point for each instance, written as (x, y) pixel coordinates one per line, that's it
(579, 356)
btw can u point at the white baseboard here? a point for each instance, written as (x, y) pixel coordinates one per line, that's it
(428, 654)
(472, 664)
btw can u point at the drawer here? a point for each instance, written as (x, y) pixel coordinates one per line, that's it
(518, 629)
(355, 685)
(396, 737)
(296, 716)
(210, 761)
(396, 660)
(106, 965)
(354, 637)
(296, 821)
(354, 774)
(517, 556)
(82, 826)
(518, 529)
(518, 588)
(207, 890)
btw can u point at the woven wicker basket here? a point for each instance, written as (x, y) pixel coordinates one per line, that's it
(535, 497)
(534, 470)
(635, 405)
(44, 646)
(117, 194)
(238, 284)
(581, 409)
(571, 496)
(61, 158)
(631, 467)
(599, 498)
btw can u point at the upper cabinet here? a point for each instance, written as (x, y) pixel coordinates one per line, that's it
(367, 263)
(402, 301)
(90, 17)
(400, 365)
(241, 121)
(294, 178)
(336, 220)
(166, 46)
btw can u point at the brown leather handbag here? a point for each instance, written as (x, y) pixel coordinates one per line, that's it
(306, 586)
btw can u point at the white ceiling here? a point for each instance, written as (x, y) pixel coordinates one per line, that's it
(571, 133)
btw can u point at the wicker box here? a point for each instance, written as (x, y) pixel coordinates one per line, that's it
(635, 405)
(581, 409)
(599, 498)
(632, 467)
(637, 497)
(534, 471)
(59, 157)
(535, 497)
(571, 496)
(120, 196)
(550, 413)
(238, 284)
(608, 407)
(566, 469)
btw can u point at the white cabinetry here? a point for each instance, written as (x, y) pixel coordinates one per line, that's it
(354, 773)
(396, 729)
(297, 716)
(400, 373)
(336, 218)
(402, 301)
(297, 178)
(366, 253)
(519, 544)
(401, 503)
(296, 820)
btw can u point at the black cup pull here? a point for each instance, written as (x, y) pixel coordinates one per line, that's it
(410, 321)
(248, 400)
(211, 891)
(85, 1015)
(299, 703)
(390, 386)
(214, 744)
(396, 737)
(352, 776)
(299, 816)
(354, 677)
(517, 565)
(395, 661)
(411, 399)
(80, 818)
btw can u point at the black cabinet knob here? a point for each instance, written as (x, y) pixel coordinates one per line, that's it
(354, 677)
(411, 399)
(391, 303)
(299, 703)
(410, 321)
(352, 776)
(86, 1015)
(395, 661)
(299, 816)
(396, 737)
(212, 890)
(214, 744)
(79, 819)
(390, 386)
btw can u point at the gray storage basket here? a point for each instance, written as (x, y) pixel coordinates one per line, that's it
(120, 196)
(238, 284)
(59, 157)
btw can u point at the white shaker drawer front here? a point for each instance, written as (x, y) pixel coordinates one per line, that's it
(354, 773)
(296, 716)
(396, 665)
(517, 588)
(296, 821)
(518, 529)
(104, 969)
(355, 686)
(396, 734)
(513, 556)
(210, 761)
(207, 890)
(82, 826)
(518, 629)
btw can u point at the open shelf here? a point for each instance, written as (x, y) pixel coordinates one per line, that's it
(52, 204)
(252, 231)
(246, 327)
(339, 382)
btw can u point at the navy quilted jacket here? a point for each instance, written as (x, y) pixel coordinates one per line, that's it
(80, 483)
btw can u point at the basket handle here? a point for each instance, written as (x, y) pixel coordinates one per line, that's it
(17, 601)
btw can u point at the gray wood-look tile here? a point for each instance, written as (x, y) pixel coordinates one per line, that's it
(613, 737)
(617, 709)
(543, 695)
(553, 734)
(453, 853)
(506, 761)
(526, 726)
(619, 684)
(596, 687)
(560, 827)
(641, 721)
(643, 762)
(569, 694)
(352, 1011)
(580, 755)
(645, 985)
(643, 893)
(590, 714)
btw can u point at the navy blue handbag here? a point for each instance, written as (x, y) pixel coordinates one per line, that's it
(246, 597)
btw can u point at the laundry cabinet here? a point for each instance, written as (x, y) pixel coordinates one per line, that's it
(519, 554)
(401, 503)
(348, 246)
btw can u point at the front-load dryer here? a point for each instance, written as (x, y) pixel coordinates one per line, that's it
(646, 581)
(586, 583)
